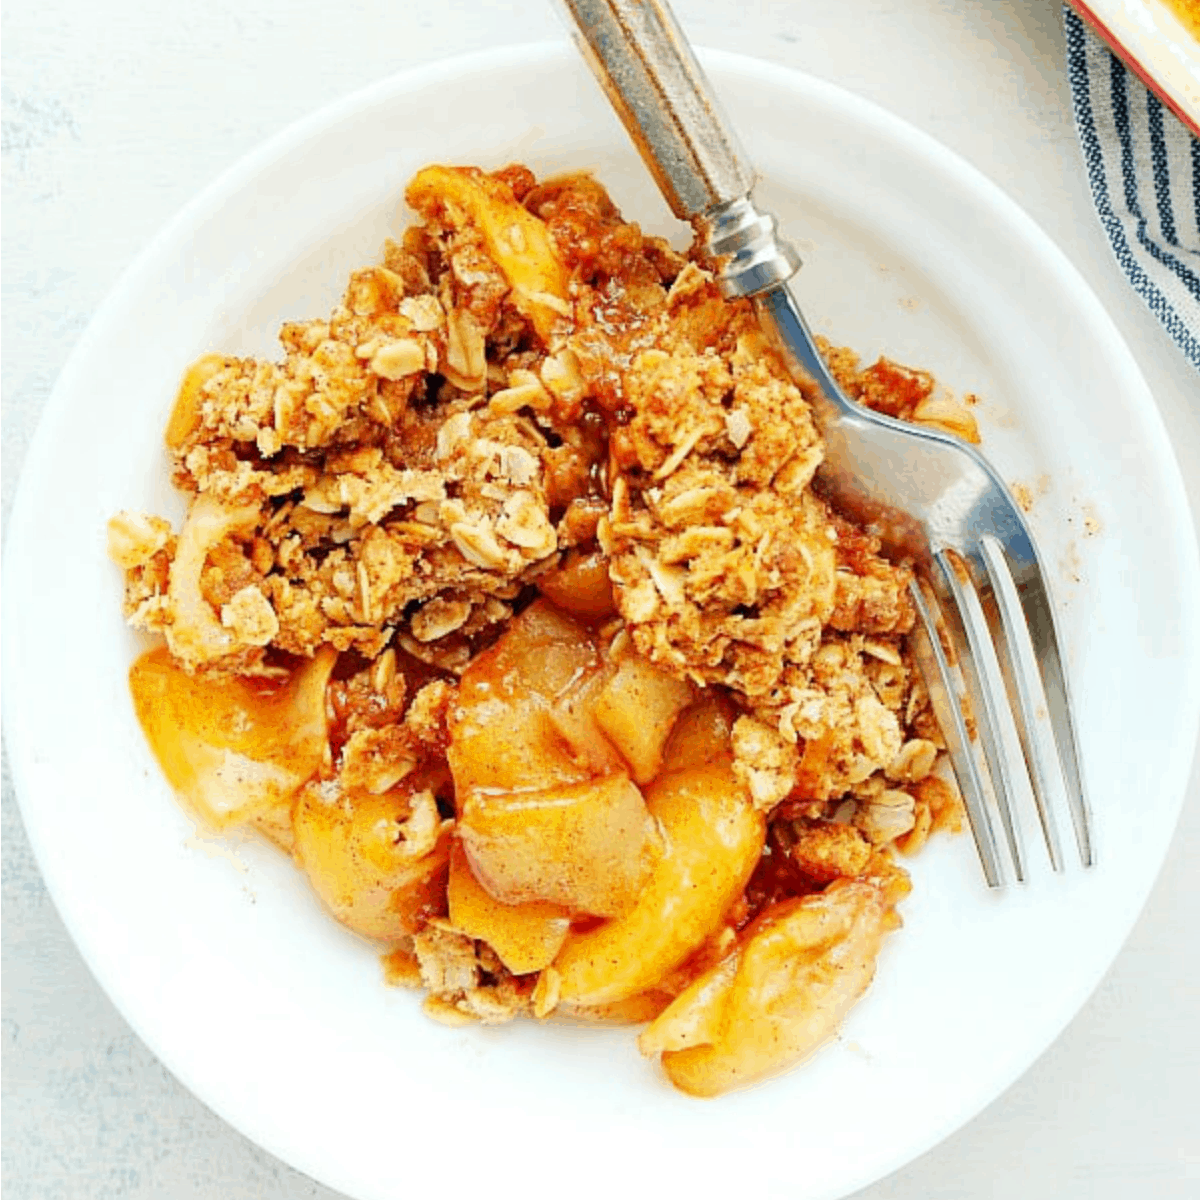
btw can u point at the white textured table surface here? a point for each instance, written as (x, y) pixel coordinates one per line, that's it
(116, 112)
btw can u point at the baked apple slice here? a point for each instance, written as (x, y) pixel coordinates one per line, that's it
(546, 808)
(378, 862)
(233, 749)
(525, 937)
(795, 973)
(712, 838)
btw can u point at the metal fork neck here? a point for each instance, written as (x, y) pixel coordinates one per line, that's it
(745, 246)
(643, 61)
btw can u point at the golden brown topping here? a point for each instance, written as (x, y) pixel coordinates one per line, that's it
(134, 539)
(886, 816)
(595, 705)
(826, 851)
(465, 979)
(765, 761)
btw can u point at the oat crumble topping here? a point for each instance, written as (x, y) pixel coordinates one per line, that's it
(529, 394)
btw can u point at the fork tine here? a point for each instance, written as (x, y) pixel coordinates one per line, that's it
(1061, 721)
(1023, 686)
(1025, 610)
(944, 695)
(985, 684)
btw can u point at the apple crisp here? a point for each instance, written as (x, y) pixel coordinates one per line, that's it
(505, 605)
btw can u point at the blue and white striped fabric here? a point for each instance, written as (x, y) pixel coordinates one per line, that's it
(1144, 168)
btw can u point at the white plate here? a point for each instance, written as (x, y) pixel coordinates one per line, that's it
(218, 955)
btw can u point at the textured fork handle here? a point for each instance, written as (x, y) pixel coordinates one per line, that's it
(642, 59)
(646, 67)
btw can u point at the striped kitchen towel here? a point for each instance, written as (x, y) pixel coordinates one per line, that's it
(1144, 168)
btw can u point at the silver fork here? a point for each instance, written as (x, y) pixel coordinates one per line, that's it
(986, 641)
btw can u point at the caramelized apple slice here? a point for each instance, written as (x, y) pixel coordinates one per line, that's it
(232, 748)
(275, 824)
(637, 710)
(581, 586)
(636, 1010)
(185, 416)
(196, 636)
(574, 720)
(516, 241)
(701, 734)
(526, 937)
(377, 862)
(794, 975)
(546, 810)
(502, 733)
(586, 846)
(712, 840)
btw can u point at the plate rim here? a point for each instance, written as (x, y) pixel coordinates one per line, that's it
(535, 54)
